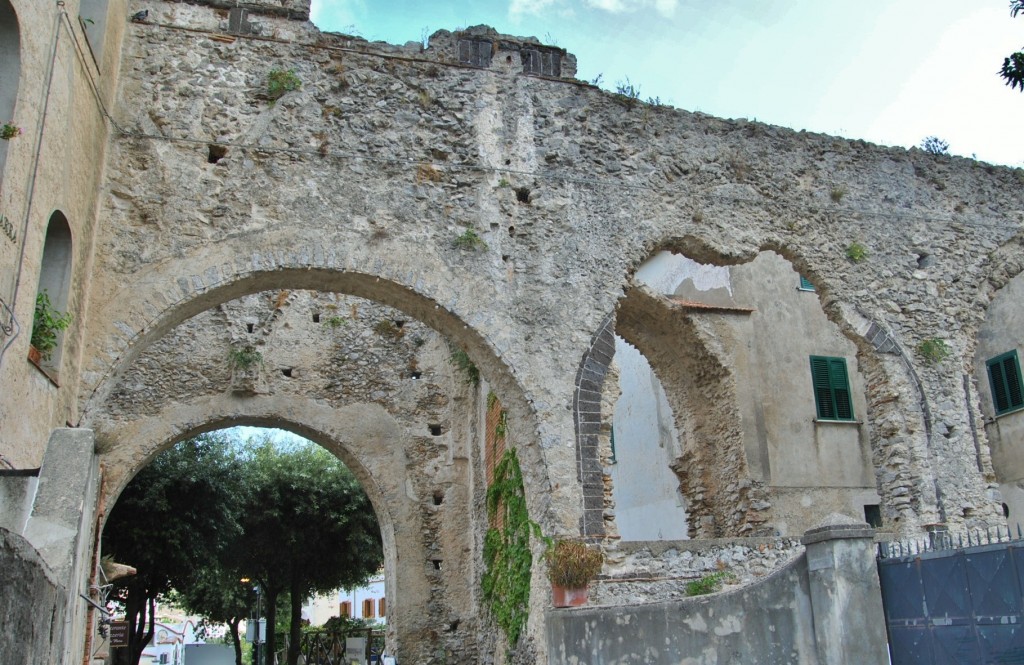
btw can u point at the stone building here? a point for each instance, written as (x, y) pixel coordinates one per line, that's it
(434, 250)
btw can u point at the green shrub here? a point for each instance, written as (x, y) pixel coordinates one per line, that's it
(47, 323)
(933, 350)
(469, 240)
(281, 81)
(708, 583)
(856, 252)
(244, 357)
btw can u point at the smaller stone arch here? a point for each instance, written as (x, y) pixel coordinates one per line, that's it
(361, 435)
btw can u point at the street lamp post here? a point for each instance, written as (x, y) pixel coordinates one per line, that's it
(256, 633)
(258, 642)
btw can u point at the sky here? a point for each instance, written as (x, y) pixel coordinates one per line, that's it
(886, 71)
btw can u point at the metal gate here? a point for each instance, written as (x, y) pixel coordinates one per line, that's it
(955, 604)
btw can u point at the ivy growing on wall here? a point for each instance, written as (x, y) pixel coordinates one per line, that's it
(507, 557)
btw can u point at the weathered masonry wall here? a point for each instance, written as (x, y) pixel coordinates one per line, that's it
(588, 166)
(32, 604)
(477, 192)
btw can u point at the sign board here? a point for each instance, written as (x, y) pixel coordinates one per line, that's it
(250, 631)
(355, 649)
(118, 633)
(209, 654)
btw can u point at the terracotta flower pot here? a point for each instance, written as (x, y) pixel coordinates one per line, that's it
(34, 355)
(562, 597)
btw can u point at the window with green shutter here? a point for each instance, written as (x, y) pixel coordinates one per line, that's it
(1004, 378)
(831, 388)
(805, 284)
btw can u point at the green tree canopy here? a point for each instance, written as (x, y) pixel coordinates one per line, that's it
(211, 511)
(308, 527)
(1012, 70)
(175, 517)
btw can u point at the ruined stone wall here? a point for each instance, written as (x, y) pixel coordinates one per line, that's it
(507, 213)
(650, 572)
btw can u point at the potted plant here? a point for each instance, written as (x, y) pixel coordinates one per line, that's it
(9, 130)
(47, 323)
(571, 566)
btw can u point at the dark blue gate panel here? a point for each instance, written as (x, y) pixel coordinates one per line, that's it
(945, 587)
(993, 583)
(910, 646)
(955, 645)
(958, 607)
(1002, 643)
(902, 594)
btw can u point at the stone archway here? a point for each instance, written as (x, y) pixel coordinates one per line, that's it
(369, 441)
(410, 435)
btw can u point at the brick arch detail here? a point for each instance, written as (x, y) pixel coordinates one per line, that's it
(586, 409)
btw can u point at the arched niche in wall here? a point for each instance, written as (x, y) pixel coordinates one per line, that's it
(10, 70)
(93, 16)
(55, 273)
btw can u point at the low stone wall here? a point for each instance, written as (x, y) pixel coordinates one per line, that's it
(649, 572)
(31, 604)
(767, 623)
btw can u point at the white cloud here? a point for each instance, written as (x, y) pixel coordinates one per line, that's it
(519, 7)
(666, 8)
(335, 14)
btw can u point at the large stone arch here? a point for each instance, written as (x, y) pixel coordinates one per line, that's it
(131, 320)
(364, 436)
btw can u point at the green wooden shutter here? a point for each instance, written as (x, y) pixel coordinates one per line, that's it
(806, 284)
(1005, 381)
(831, 384)
(840, 388)
(822, 388)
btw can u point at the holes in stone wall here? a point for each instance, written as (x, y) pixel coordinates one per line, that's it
(250, 327)
(436, 563)
(415, 374)
(873, 515)
(435, 430)
(438, 497)
(216, 153)
(286, 372)
(316, 317)
(511, 232)
(522, 194)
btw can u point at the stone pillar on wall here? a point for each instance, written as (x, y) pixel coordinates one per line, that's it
(60, 526)
(846, 599)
